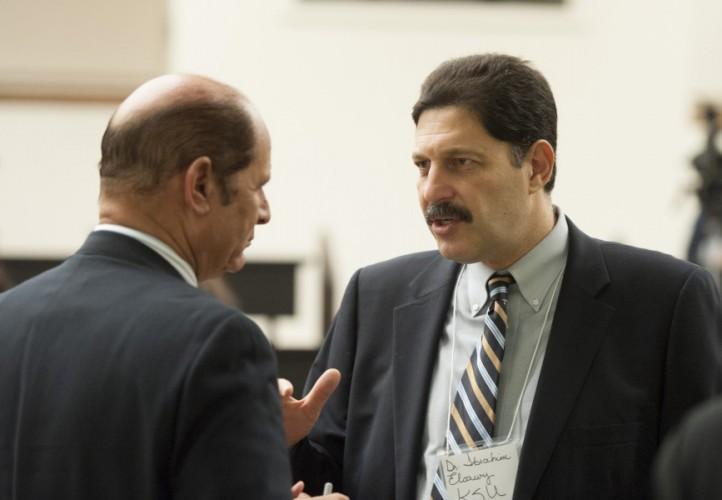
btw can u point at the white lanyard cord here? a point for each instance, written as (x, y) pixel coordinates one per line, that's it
(453, 347)
(534, 355)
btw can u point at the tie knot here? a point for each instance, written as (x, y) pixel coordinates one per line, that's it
(497, 286)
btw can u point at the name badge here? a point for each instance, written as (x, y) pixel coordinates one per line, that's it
(481, 474)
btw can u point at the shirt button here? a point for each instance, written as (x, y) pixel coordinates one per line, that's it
(535, 302)
(475, 308)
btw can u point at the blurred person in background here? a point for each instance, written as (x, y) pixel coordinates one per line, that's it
(689, 464)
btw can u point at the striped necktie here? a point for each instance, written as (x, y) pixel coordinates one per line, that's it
(473, 412)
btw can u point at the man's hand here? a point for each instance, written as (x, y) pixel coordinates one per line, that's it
(297, 492)
(299, 415)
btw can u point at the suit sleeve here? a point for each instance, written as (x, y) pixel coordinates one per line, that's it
(229, 438)
(694, 351)
(319, 458)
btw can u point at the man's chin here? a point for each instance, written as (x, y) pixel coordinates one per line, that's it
(451, 252)
(236, 263)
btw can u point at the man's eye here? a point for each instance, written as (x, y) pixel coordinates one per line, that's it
(422, 164)
(460, 162)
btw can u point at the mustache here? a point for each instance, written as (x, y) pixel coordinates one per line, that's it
(446, 210)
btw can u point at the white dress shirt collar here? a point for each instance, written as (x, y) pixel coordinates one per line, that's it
(170, 256)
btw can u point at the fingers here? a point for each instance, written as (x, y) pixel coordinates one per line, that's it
(299, 416)
(297, 489)
(322, 390)
(285, 388)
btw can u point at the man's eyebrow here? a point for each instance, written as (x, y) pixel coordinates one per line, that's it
(451, 152)
(464, 151)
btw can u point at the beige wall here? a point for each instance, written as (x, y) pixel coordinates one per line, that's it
(336, 82)
(80, 48)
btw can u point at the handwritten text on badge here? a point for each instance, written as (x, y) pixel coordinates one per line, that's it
(484, 474)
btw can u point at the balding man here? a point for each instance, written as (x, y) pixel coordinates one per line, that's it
(119, 379)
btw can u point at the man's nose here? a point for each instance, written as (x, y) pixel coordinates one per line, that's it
(264, 211)
(435, 186)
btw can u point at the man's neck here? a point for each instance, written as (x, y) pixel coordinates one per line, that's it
(541, 226)
(149, 219)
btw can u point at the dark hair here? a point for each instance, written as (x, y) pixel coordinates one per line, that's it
(511, 99)
(148, 149)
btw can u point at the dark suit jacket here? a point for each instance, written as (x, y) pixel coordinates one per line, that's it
(635, 342)
(120, 381)
(689, 465)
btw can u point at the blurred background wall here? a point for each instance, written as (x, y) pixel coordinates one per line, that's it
(335, 82)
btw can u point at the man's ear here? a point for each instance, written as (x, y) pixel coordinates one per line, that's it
(199, 185)
(541, 156)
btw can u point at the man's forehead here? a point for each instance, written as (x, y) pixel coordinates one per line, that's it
(445, 116)
(447, 132)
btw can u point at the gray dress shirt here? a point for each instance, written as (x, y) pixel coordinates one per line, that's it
(532, 302)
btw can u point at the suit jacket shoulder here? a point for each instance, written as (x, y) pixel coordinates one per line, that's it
(638, 264)
(410, 275)
(157, 390)
(634, 344)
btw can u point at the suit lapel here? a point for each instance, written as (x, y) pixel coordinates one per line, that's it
(580, 324)
(417, 329)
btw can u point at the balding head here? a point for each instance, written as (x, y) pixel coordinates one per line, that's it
(168, 122)
(169, 91)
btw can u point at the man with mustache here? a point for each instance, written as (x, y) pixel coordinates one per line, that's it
(119, 378)
(522, 339)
